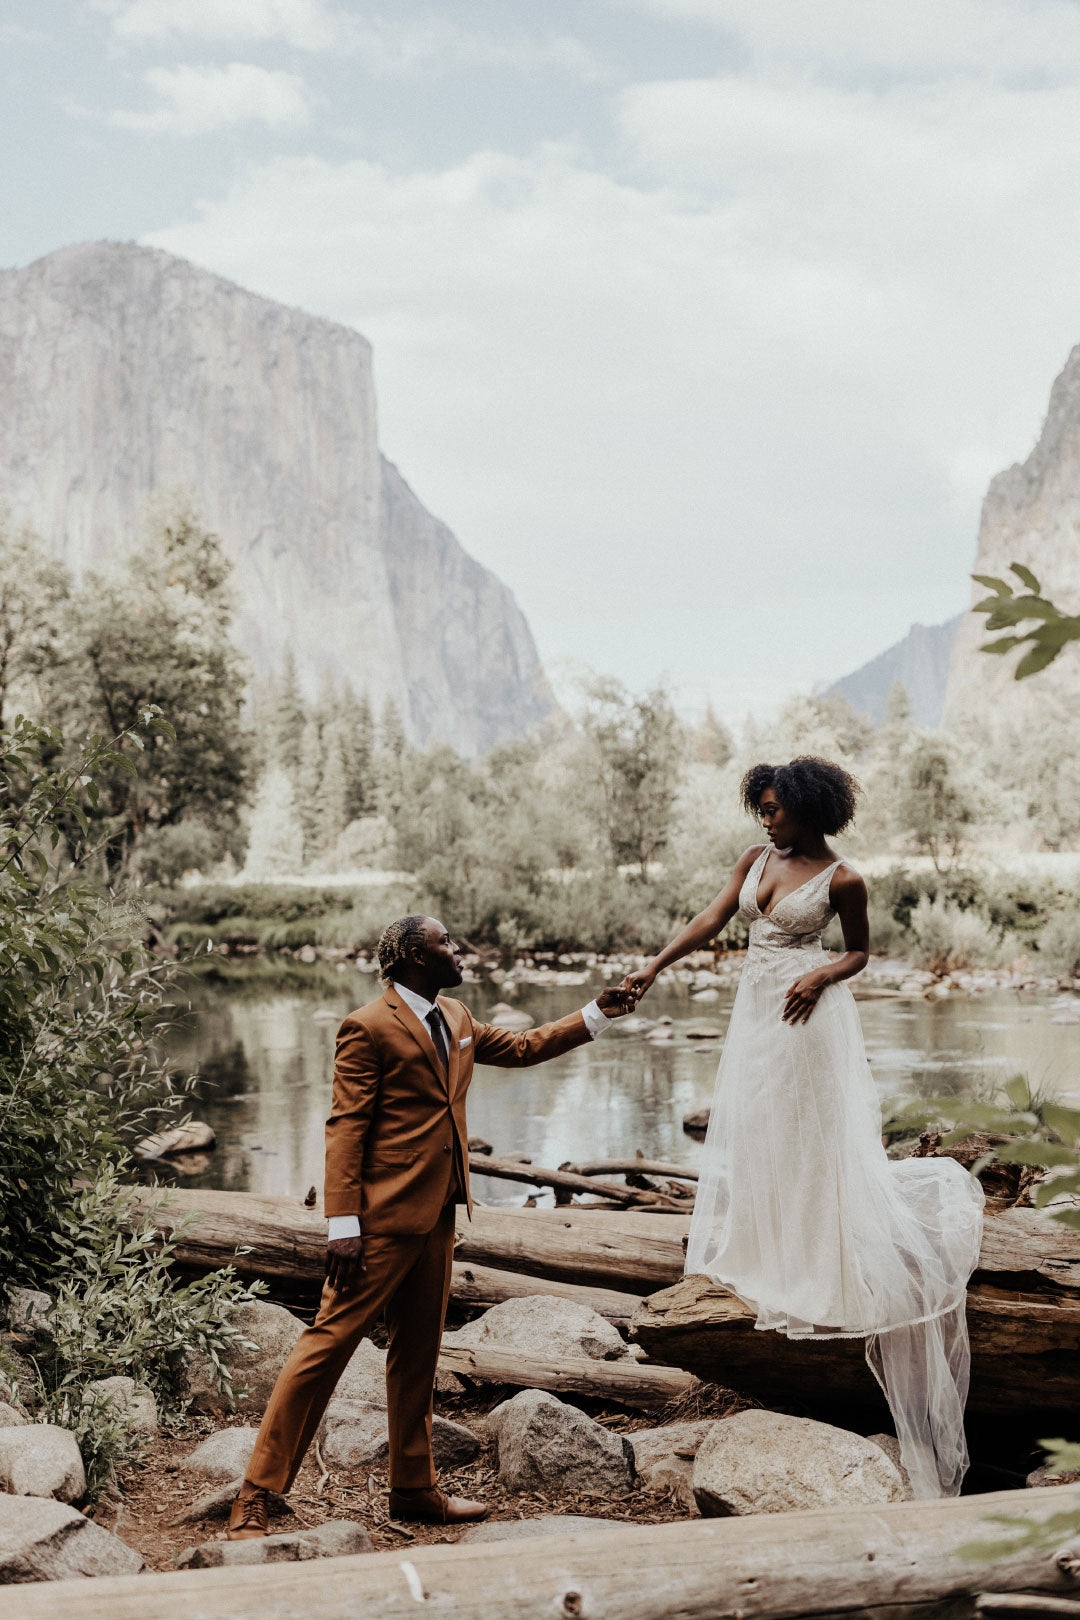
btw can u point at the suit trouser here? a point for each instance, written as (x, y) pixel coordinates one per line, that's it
(408, 1277)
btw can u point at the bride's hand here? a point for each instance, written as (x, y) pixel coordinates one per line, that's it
(636, 984)
(802, 997)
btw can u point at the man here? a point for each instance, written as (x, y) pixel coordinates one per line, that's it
(397, 1156)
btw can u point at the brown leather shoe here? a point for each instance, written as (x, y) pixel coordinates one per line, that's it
(435, 1507)
(249, 1516)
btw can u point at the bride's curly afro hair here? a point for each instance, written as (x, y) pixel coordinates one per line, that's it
(820, 795)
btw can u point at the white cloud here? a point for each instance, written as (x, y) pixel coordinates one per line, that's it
(387, 45)
(930, 38)
(196, 100)
(307, 25)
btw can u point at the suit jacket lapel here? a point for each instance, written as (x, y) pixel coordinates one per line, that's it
(455, 1019)
(419, 1032)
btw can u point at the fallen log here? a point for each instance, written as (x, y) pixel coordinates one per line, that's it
(1025, 1349)
(899, 1562)
(1023, 1251)
(630, 1383)
(285, 1242)
(483, 1285)
(535, 1176)
(644, 1167)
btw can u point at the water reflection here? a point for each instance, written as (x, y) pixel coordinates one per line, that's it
(265, 1049)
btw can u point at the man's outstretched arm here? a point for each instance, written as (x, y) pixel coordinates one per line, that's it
(507, 1050)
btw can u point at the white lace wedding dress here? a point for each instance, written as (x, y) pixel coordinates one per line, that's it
(799, 1211)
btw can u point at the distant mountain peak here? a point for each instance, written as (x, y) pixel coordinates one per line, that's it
(920, 662)
(127, 372)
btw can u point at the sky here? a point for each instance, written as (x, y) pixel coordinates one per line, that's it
(704, 323)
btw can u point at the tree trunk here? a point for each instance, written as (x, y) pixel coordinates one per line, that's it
(481, 1285)
(899, 1562)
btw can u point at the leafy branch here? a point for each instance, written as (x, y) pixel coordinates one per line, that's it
(1008, 608)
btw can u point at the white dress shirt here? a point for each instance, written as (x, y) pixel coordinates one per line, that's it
(344, 1226)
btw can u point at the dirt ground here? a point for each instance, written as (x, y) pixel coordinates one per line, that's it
(152, 1495)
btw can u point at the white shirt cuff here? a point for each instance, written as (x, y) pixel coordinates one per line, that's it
(342, 1226)
(595, 1020)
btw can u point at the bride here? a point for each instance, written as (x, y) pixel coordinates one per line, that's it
(799, 1211)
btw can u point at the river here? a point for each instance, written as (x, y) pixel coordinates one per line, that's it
(263, 1039)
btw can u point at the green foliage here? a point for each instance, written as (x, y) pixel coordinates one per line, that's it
(1007, 609)
(932, 806)
(947, 937)
(637, 743)
(1059, 942)
(81, 1074)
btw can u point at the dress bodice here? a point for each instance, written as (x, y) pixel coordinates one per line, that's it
(795, 923)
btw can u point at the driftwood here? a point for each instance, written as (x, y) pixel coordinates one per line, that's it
(629, 1382)
(483, 1285)
(565, 1182)
(1025, 1349)
(285, 1242)
(636, 1166)
(900, 1562)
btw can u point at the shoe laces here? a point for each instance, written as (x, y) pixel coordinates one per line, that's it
(253, 1511)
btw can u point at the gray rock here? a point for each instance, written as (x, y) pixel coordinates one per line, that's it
(764, 1462)
(890, 1445)
(664, 1458)
(48, 1541)
(195, 1136)
(543, 1325)
(548, 1524)
(512, 1019)
(10, 1418)
(338, 1538)
(223, 1456)
(40, 1459)
(364, 1379)
(254, 1372)
(132, 1402)
(217, 1504)
(356, 1436)
(542, 1442)
(28, 1311)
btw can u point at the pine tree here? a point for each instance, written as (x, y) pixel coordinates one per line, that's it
(715, 742)
(333, 788)
(275, 837)
(391, 758)
(290, 716)
(358, 741)
(308, 787)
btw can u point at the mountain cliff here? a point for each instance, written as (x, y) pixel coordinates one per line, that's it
(920, 662)
(127, 373)
(1031, 515)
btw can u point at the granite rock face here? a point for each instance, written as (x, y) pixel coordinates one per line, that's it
(129, 374)
(1031, 515)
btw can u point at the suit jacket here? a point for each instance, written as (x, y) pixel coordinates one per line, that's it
(397, 1127)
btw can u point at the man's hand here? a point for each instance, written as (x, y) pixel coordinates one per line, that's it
(635, 985)
(615, 1003)
(345, 1264)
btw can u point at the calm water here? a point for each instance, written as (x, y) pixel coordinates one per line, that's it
(265, 1049)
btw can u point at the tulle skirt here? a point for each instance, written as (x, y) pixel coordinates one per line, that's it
(800, 1213)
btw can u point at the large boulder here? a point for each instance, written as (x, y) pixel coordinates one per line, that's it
(224, 1456)
(40, 1459)
(274, 1331)
(664, 1459)
(765, 1462)
(548, 1524)
(48, 1541)
(544, 1443)
(28, 1312)
(337, 1538)
(133, 1404)
(364, 1379)
(11, 1417)
(356, 1436)
(543, 1325)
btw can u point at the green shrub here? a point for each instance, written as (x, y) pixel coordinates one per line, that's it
(1059, 942)
(947, 938)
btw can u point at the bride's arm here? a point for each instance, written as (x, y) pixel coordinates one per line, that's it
(705, 926)
(849, 898)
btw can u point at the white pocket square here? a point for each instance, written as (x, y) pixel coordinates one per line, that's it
(466, 1040)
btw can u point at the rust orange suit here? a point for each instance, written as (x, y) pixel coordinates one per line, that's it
(397, 1155)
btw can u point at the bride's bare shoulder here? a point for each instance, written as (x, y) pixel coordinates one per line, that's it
(847, 884)
(747, 859)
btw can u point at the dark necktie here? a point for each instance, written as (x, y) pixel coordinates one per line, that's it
(438, 1035)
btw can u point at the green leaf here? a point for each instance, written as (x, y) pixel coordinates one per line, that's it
(1003, 645)
(1032, 1152)
(1065, 1122)
(1026, 577)
(999, 586)
(1033, 661)
(1018, 1092)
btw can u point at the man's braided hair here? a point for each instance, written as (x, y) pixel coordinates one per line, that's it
(397, 941)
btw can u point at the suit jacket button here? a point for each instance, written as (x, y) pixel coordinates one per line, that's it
(446, 1150)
